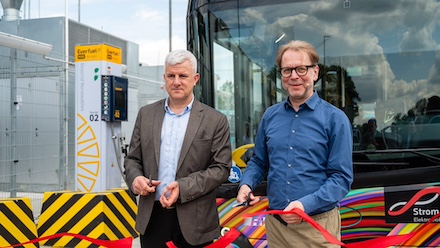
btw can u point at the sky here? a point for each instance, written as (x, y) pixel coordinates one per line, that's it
(144, 22)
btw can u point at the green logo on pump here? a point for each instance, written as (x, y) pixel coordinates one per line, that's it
(96, 74)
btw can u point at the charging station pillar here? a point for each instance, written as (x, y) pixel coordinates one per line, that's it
(100, 92)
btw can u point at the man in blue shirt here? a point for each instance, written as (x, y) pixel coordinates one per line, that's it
(304, 146)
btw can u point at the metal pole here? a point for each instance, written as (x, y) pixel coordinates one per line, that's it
(79, 10)
(66, 100)
(170, 25)
(14, 103)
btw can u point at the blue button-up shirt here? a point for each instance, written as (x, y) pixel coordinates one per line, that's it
(172, 135)
(307, 155)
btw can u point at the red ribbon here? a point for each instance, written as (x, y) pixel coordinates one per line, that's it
(222, 242)
(232, 234)
(226, 239)
(122, 243)
(382, 242)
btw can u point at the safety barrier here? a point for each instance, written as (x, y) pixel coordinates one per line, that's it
(108, 215)
(17, 224)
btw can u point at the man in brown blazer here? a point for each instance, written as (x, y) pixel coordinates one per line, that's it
(179, 153)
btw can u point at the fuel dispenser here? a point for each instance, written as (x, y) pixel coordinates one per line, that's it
(101, 105)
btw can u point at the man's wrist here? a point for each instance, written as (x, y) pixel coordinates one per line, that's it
(243, 185)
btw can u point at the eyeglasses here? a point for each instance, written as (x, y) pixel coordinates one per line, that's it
(300, 70)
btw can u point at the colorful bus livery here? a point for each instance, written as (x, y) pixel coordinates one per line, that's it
(362, 213)
(379, 63)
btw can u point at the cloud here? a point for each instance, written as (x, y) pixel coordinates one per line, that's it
(153, 52)
(150, 15)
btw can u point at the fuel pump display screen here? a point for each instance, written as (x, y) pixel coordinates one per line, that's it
(120, 100)
(114, 98)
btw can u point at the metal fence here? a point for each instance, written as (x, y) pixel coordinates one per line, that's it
(35, 138)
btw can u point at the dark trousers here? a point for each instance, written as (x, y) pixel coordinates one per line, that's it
(164, 227)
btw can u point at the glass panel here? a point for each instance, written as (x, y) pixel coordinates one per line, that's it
(224, 85)
(379, 63)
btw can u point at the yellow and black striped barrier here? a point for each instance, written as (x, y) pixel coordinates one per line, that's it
(17, 224)
(108, 215)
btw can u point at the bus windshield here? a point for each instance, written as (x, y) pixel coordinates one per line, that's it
(378, 60)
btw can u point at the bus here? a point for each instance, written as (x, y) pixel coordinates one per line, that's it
(379, 63)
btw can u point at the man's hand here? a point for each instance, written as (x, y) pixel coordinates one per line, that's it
(292, 218)
(170, 194)
(141, 185)
(244, 193)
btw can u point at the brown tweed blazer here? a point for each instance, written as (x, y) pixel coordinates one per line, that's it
(204, 164)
